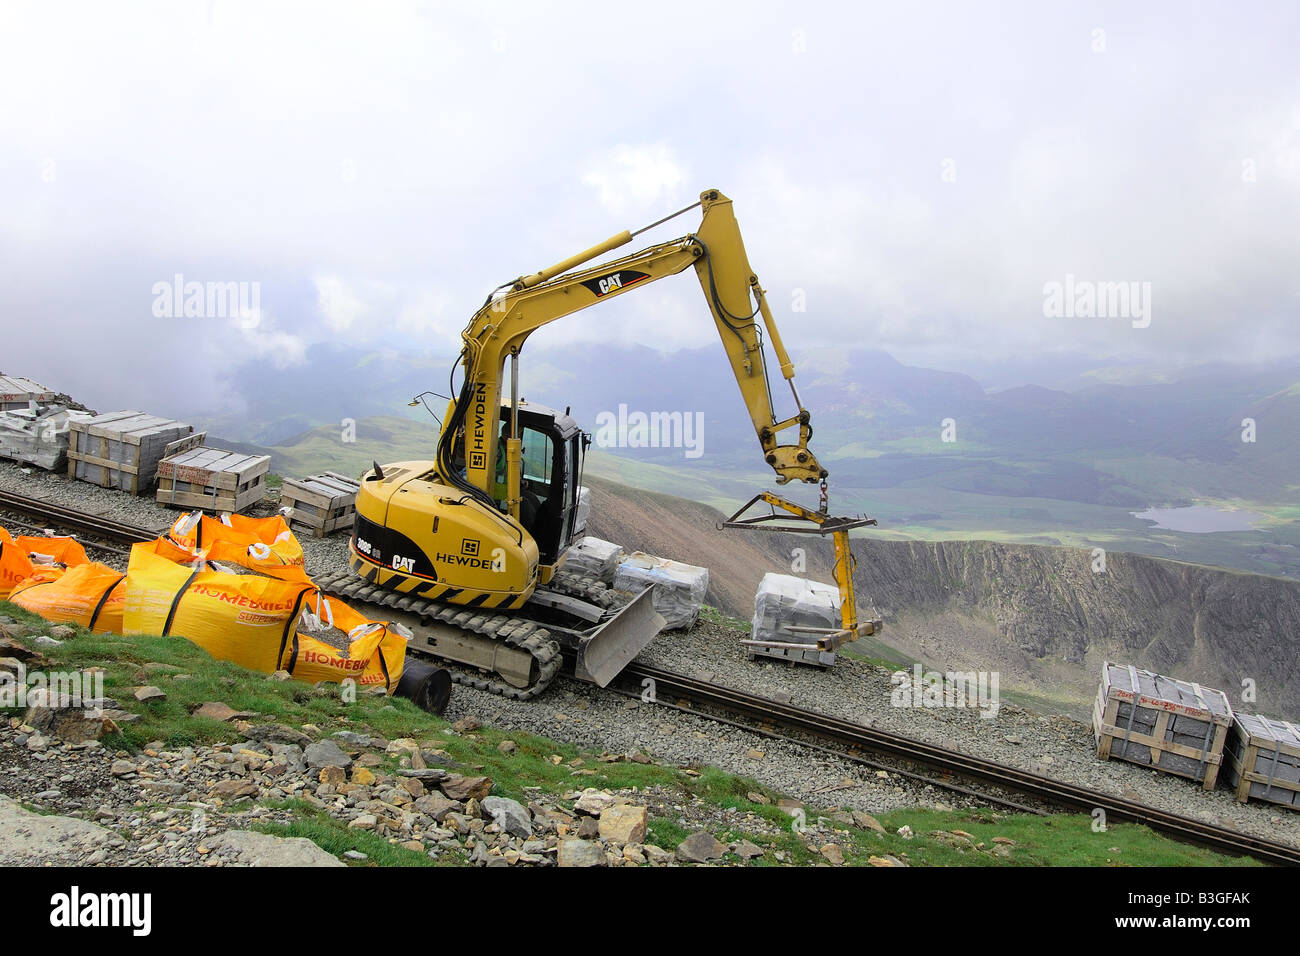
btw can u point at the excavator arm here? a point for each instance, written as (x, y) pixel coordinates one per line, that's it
(740, 311)
(515, 310)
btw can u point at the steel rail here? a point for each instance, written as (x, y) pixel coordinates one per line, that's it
(76, 520)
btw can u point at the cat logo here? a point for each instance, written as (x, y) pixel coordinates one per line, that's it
(403, 564)
(615, 282)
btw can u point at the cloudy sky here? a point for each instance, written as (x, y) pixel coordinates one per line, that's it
(918, 173)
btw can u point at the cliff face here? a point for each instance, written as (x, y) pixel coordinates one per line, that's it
(1044, 613)
(1041, 617)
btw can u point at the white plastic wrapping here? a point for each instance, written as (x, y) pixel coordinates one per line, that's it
(37, 435)
(596, 557)
(783, 600)
(679, 589)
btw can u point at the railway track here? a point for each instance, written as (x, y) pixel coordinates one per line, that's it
(854, 740)
(77, 521)
(826, 732)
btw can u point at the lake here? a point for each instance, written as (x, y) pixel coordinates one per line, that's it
(1200, 519)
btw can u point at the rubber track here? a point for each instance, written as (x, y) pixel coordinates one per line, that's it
(587, 587)
(512, 631)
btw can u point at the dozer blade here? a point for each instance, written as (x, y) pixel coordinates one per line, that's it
(608, 649)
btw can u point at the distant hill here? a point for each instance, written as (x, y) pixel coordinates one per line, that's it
(1041, 617)
(1034, 463)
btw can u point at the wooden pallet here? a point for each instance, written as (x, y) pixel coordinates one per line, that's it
(121, 449)
(320, 504)
(17, 392)
(1264, 759)
(211, 478)
(1160, 722)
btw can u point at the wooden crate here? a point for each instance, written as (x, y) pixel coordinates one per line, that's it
(1264, 759)
(320, 504)
(17, 392)
(121, 449)
(211, 478)
(1161, 722)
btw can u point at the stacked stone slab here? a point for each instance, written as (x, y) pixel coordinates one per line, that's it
(37, 435)
(19, 392)
(121, 449)
(783, 601)
(1161, 722)
(1264, 759)
(320, 504)
(679, 589)
(596, 557)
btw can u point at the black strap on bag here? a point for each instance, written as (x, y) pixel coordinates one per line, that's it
(94, 615)
(176, 602)
(289, 628)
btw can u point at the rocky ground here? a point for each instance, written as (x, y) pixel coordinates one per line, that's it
(76, 802)
(1055, 746)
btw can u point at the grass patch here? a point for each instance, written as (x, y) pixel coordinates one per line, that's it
(334, 836)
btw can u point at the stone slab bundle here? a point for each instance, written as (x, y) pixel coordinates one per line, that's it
(1264, 759)
(783, 600)
(320, 504)
(37, 435)
(121, 449)
(1161, 722)
(19, 392)
(596, 557)
(196, 476)
(679, 589)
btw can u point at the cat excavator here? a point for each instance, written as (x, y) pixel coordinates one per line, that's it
(468, 550)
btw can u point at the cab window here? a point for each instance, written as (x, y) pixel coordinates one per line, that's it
(537, 456)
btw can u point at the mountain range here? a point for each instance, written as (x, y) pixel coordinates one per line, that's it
(1064, 463)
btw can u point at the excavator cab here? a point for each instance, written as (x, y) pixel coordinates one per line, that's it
(550, 468)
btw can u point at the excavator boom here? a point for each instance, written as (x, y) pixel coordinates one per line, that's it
(518, 308)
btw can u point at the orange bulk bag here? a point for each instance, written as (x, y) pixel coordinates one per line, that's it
(257, 543)
(245, 618)
(52, 550)
(90, 594)
(14, 564)
(376, 650)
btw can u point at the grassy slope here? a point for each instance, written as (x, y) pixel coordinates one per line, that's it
(1065, 839)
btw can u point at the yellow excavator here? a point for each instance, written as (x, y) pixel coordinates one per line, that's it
(468, 549)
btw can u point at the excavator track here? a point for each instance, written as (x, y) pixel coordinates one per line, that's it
(516, 633)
